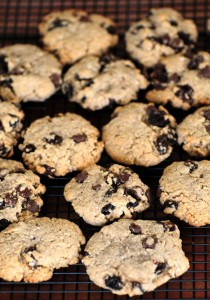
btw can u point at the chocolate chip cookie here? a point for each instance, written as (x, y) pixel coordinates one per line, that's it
(134, 257)
(11, 117)
(182, 80)
(20, 191)
(140, 134)
(32, 249)
(184, 191)
(162, 32)
(27, 73)
(194, 133)
(95, 82)
(73, 34)
(100, 195)
(59, 145)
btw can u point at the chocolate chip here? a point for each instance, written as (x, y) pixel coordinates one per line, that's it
(32, 206)
(160, 73)
(3, 150)
(58, 23)
(205, 72)
(185, 37)
(80, 178)
(167, 225)
(107, 209)
(175, 43)
(104, 60)
(83, 99)
(7, 83)
(185, 92)
(4, 223)
(170, 204)
(3, 65)
(113, 189)
(88, 81)
(56, 80)
(208, 128)
(132, 204)
(192, 165)
(174, 77)
(114, 282)
(25, 193)
(156, 116)
(135, 229)
(96, 187)
(67, 89)
(124, 177)
(173, 23)
(10, 200)
(54, 139)
(1, 126)
(111, 29)
(29, 148)
(162, 144)
(78, 138)
(15, 120)
(195, 61)
(133, 192)
(160, 268)
(206, 114)
(48, 170)
(16, 71)
(149, 242)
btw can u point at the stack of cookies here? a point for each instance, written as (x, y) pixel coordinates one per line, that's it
(128, 255)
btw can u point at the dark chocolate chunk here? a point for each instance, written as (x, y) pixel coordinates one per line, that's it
(205, 72)
(78, 138)
(185, 37)
(114, 282)
(149, 242)
(80, 178)
(195, 61)
(111, 29)
(29, 148)
(170, 204)
(4, 223)
(173, 23)
(124, 177)
(58, 23)
(156, 116)
(96, 187)
(67, 89)
(135, 229)
(185, 92)
(192, 165)
(160, 268)
(56, 80)
(32, 206)
(54, 139)
(206, 114)
(3, 65)
(160, 74)
(162, 144)
(107, 209)
(25, 193)
(10, 200)
(48, 170)
(174, 77)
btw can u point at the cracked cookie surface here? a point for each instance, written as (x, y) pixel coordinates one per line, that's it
(133, 257)
(182, 81)
(20, 191)
(11, 117)
(59, 145)
(32, 249)
(184, 190)
(161, 33)
(194, 133)
(140, 134)
(95, 82)
(100, 195)
(73, 34)
(27, 73)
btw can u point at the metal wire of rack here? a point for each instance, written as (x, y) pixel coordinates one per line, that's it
(18, 23)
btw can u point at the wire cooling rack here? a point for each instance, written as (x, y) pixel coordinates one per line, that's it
(18, 23)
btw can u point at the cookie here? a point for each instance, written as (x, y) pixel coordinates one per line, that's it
(194, 133)
(140, 134)
(184, 191)
(73, 34)
(134, 257)
(95, 82)
(100, 195)
(28, 73)
(59, 145)
(11, 117)
(32, 249)
(162, 32)
(20, 191)
(182, 81)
